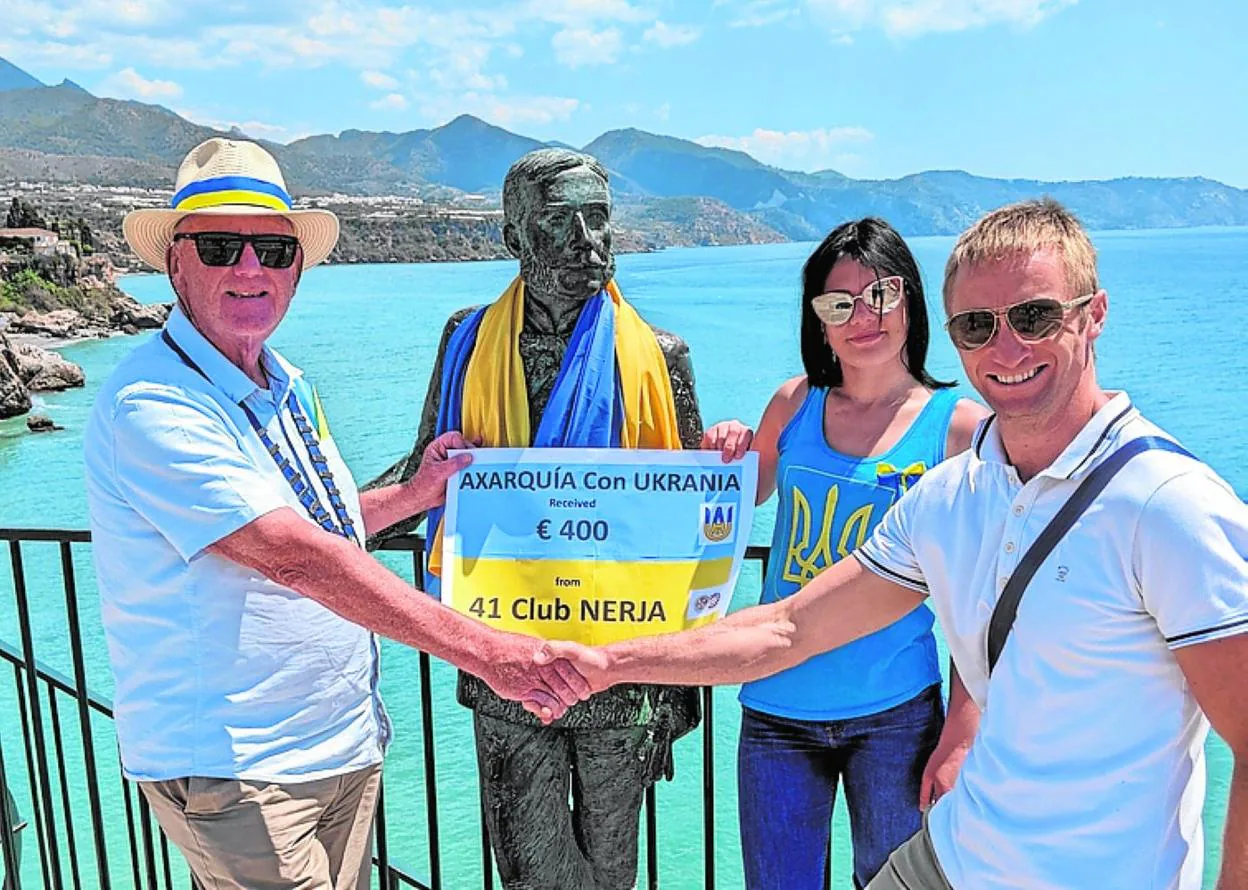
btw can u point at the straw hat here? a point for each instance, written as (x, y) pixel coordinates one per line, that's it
(228, 176)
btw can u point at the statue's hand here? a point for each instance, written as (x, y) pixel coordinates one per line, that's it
(427, 487)
(730, 437)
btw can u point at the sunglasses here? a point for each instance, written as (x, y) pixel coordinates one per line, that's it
(882, 296)
(226, 248)
(1032, 320)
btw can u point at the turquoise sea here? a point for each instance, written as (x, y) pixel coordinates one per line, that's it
(367, 335)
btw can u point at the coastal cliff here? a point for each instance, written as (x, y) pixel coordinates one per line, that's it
(26, 368)
(55, 287)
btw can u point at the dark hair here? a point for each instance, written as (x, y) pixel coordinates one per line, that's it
(874, 244)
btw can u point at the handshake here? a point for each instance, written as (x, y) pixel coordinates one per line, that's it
(546, 677)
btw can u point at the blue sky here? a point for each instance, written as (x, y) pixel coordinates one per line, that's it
(1046, 89)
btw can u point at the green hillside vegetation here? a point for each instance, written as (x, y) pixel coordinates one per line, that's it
(410, 238)
(17, 165)
(66, 119)
(466, 154)
(30, 282)
(702, 222)
(34, 289)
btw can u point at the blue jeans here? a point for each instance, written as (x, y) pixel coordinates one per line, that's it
(787, 773)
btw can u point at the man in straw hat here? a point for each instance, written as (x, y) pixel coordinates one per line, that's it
(238, 604)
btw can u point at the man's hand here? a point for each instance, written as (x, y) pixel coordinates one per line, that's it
(731, 438)
(427, 487)
(943, 766)
(523, 669)
(590, 664)
(961, 725)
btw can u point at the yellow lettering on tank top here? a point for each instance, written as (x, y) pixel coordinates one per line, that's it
(801, 564)
(856, 527)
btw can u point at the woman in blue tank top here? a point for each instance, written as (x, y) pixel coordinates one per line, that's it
(840, 444)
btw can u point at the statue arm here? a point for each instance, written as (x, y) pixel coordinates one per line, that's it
(680, 370)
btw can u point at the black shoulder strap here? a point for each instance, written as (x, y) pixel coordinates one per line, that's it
(1007, 607)
(181, 353)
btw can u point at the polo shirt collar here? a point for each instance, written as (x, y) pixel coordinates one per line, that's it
(220, 371)
(1094, 441)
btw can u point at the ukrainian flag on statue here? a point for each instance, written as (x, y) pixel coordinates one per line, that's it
(596, 544)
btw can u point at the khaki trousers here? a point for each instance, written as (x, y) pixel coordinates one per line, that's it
(912, 866)
(239, 835)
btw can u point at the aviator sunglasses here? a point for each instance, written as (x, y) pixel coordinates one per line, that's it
(226, 248)
(1032, 320)
(836, 307)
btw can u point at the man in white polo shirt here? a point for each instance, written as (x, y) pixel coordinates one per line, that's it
(238, 604)
(1088, 770)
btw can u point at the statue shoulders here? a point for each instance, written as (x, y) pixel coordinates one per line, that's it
(457, 318)
(673, 345)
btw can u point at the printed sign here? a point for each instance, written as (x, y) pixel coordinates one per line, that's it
(596, 545)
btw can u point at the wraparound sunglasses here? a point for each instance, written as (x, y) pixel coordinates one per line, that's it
(226, 248)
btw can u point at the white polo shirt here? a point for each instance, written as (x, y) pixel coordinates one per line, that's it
(1088, 770)
(219, 671)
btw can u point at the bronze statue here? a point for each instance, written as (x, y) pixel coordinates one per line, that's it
(556, 211)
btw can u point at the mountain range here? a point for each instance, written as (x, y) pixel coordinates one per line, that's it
(65, 133)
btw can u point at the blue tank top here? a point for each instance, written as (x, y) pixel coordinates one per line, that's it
(829, 503)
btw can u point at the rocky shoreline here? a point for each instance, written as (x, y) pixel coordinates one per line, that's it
(35, 320)
(124, 315)
(26, 368)
(28, 363)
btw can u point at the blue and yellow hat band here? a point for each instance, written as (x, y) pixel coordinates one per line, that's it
(222, 190)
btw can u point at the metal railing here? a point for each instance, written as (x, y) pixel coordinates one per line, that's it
(40, 692)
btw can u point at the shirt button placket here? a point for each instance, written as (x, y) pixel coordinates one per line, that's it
(1008, 561)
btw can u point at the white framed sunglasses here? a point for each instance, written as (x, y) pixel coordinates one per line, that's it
(881, 296)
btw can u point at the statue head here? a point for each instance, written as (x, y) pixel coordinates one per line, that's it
(557, 222)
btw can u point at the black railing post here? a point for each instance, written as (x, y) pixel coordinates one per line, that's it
(66, 803)
(652, 839)
(149, 846)
(82, 698)
(379, 826)
(426, 732)
(164, 858)
(36, 718)
(8, 833)
(487, 855)
(130, 833)
(708, 787)
(31, 771)
(431, 777)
